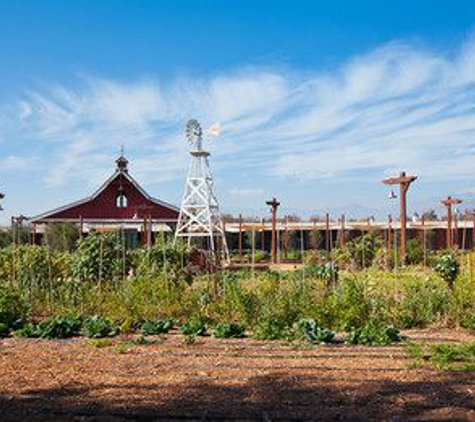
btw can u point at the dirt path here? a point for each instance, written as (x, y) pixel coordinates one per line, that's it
(226, 380)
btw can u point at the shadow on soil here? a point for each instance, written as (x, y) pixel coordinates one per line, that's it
(267, 398)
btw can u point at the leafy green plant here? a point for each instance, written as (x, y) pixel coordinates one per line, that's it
(151, 328)
(28, 330)
(60, 327)
(308, 330)
(327, 272)
(195, 326)
(229, 330)
(190, 339)
(448, 268)
(98, 327)
(373, 334)
(100, 342)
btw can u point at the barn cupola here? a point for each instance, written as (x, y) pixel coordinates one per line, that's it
(122, 164)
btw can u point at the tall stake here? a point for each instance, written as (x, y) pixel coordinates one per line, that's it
(342, 232)
(404, 181)
(327, 233)
(274, 204)
(449, 202)
(240, 237)
(424, 240)
(473, 230)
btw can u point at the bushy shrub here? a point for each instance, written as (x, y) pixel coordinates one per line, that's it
(422, 302)
(98, 327)
(164, 257)
(373, 334)
(12, 307)
(384, 259)
(229, 330)
(151, 328)
(362, 250)
(271, 328)
(308, 330)
(101, 257)
(350, 306)
(448, 268)
(414, 253)
(61, 237)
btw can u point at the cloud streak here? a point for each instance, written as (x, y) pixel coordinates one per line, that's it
(398, 107)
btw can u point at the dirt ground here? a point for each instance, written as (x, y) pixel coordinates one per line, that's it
(226, 380)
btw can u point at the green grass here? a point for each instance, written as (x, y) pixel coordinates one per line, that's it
(446, 357)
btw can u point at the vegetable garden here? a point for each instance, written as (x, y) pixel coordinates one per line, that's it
(133, 299)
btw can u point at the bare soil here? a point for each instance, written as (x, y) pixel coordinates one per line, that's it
(243, 380)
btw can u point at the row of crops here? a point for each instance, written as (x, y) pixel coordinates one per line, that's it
(102, 289)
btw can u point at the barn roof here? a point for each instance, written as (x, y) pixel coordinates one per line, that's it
(122, 172)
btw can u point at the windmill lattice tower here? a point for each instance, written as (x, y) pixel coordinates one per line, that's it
(199, 214)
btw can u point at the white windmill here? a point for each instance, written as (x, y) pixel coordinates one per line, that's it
(199, 213)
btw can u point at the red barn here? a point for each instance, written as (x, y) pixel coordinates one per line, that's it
(120, 203)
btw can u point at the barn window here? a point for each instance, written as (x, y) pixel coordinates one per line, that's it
(121, 201)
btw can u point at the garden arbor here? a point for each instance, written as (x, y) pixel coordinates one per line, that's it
(404, 181)
(448, 203)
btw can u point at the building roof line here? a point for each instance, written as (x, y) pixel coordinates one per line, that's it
(99, 191)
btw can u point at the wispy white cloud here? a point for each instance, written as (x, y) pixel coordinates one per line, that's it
(12, 162)
(398, 107)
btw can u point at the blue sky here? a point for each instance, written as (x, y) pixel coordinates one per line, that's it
(318, 101)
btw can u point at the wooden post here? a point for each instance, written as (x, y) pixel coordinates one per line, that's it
(327, 233)
(473, 230)
(240, 238)
(149, 232)
(390, 233)
(263, 236)
(404, 181)
(448, 202)
(424, 240)
(470, 266)
(81, 226)
(342, 232)
(286, 237)
(274, 204)
(456, 231)
(33, 235)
